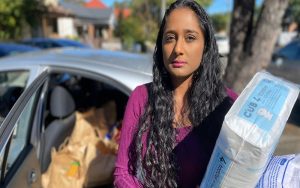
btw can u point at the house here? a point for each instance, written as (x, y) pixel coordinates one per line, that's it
(94, 24)
(95, 4)
(91, 23)
(126, 12)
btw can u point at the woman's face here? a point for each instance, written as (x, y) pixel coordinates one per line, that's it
(183, 43)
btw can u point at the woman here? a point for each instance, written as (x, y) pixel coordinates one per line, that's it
(171, 125)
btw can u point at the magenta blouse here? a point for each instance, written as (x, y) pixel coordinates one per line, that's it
(193, 148)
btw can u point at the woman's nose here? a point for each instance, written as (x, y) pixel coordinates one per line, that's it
(178, 49)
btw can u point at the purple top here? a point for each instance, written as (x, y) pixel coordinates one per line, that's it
(193, 146)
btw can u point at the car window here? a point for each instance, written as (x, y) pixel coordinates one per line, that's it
(12, 84)
(47, 44)
(71, 43)
(42, 44)
(20, 135)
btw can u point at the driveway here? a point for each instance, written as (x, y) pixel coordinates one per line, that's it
(290, 139)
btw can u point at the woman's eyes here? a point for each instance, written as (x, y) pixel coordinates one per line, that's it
(169, 38)
(188, 38)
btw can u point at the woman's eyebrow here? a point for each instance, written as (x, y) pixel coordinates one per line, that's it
(191, 31)
(185, 31)
(169, 31)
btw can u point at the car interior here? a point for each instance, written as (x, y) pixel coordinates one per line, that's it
(68, 94)
(65, 96)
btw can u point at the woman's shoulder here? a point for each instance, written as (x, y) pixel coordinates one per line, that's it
(138, 98)
(141, 89)
(231, 94)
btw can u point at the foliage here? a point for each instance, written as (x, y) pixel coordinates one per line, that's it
(14, 14)
(220, 21)
(294, 10)
(144, 21)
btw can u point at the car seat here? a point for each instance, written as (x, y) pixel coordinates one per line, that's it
(62, 108)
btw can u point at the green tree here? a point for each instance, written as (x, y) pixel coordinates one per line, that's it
(144, 21)
(293, 11)
(220, 21)
(14, 14)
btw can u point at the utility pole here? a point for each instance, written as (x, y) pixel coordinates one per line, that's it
(162, 9)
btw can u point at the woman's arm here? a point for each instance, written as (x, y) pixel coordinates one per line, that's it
(134, 108)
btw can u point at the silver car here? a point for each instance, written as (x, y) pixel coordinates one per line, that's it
(39, 93)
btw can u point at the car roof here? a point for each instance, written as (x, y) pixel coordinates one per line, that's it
(49, 39)
(41, 39)
(85, 58)
(59, 41)
(128, 68)
(14, 46)
(121, 59)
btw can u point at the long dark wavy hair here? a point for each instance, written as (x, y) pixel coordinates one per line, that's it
(153, 161)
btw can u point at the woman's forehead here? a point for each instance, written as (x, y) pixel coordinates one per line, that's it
(182, 16)
(182, 19)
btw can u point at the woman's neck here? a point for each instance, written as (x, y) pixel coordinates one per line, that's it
(181, 88)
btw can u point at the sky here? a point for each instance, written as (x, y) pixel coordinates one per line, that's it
(218, 6)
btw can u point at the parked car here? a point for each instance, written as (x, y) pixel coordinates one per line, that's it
(45, 43)
(13, 48)
(286, 62)
(38, 92)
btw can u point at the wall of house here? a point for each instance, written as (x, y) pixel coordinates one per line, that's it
(66, 27)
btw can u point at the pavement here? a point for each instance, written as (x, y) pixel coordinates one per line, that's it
(290, 139)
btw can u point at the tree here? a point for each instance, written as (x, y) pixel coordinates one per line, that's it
(252, 43)
(14, 14)
(144, 20)
(220, 21)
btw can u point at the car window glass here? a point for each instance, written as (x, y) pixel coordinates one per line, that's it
(42, 44)
(12, 84)
(21, 133)
(55, 45)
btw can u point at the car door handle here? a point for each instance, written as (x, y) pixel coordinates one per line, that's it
(32, 176)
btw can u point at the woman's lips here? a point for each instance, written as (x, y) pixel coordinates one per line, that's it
(178, 64)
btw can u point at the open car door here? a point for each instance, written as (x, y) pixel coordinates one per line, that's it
(19, 162)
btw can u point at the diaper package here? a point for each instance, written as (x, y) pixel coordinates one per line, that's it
(282, 171)
(250, 132)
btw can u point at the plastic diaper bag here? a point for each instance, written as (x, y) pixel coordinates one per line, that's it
(282, 171)
(250, 132)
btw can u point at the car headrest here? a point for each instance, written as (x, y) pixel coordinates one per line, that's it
(61, 102)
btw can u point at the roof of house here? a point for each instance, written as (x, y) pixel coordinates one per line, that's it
(98, 16)
(95, 4)
(125, 11)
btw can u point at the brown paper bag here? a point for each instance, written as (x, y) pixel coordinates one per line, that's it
(67, 168)
(90, 130)
(100, 166)
(96, 158)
